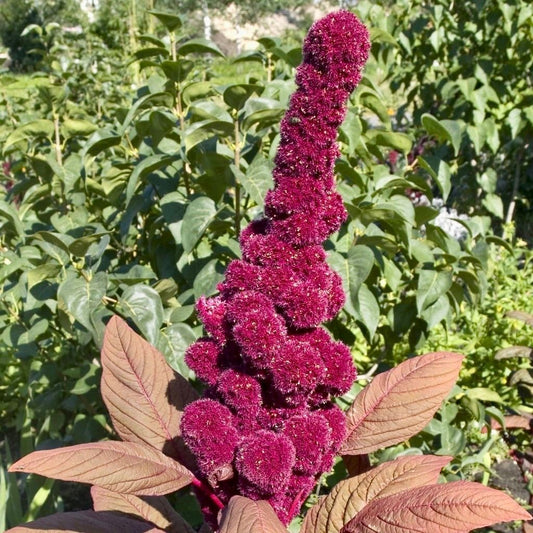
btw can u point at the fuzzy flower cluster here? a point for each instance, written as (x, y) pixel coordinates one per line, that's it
(267, 426)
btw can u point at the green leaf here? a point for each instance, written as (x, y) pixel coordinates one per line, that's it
(206, 129)
(437, 311)
(173, 342)
(10, 216)
(397, 141)
(145, 167)
(367, 308)
(169, 20)
(71, 127)
(257, 179)
(143, 305)
(237, 95)
(101, 140)
(493, 204)
(177, 71)
(205, 282)
(198, 215)
(80, 246)
(440, 171)
(46, 271)
(444, 130)
(263, 111)
(432, 284)
(199, 46)
(36, 128)
(360, 263)
(483, 394)
(82, 297)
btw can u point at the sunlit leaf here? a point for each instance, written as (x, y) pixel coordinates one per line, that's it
(349, 496)
(143, 395)
(86, 522)
(154, 509)
(400, 402)
(447, 508)
(119, 466)
(243, 515)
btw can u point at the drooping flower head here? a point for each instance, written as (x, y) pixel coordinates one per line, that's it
(271, 427)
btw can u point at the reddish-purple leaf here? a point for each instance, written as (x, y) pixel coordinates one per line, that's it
(86, 522)
(456, 507)
(349, 496)
(397, 404)
(154, 509)
(143, 395)
(119, 466)
(243, 515)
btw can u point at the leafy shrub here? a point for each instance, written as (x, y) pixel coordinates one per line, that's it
(236, 359)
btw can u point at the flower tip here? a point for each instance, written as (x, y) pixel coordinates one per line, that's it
(339, 39)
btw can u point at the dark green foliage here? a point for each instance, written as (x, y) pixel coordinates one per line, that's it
(23, 49)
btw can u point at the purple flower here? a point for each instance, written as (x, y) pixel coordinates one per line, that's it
(203, 356)
(311, 435)
(208, 430)
(211, 312)
(267, 417)
(264, 462)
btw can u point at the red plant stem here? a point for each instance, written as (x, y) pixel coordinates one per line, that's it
(295, 505)
(207, 491)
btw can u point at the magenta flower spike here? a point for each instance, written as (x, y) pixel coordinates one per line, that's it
(267, 427)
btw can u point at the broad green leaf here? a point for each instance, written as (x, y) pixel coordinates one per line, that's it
(444, 130)
(135, 373)
(145, 167)
(437, 311)
(36, 128)
(206, 129)
(79, 247)
(440, 171)
(243, 515)
(154, 509)
(101, 140)
(199, 46)
(177, 71)
(262, 111)
(447, 508)
(82, 297)
(143, 305)
(71, 127)
(84, 521)
(391, 139)
(205, 282)
(173, 342)
(494, 205)
(483, 394)
(126, 467)
(257, 179)
(400, 402)
(171, 21)
(237, 94)
(198, 215)
(10, 216)
(432, 284)
(360, 263)
(349, 496)
(367, 309)
(140, 103)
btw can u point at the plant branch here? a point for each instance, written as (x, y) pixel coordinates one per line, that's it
(516, 185)
(237, 161)
(208, 492)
